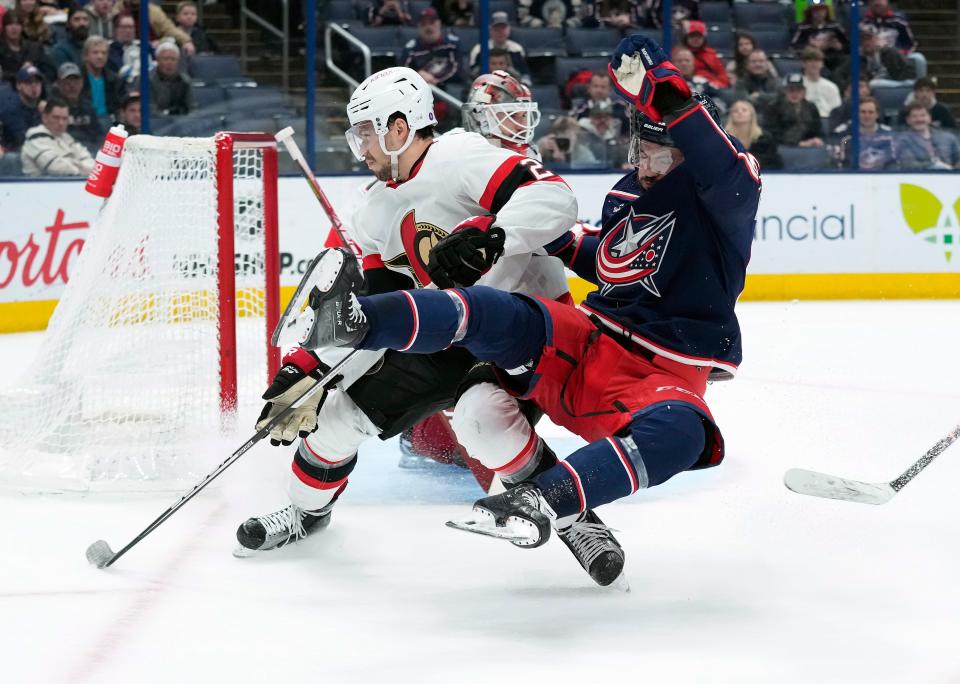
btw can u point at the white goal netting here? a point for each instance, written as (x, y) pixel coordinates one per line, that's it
(128, 375)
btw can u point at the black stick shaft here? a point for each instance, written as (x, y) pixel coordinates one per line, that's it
(925, 460)
(320, 384)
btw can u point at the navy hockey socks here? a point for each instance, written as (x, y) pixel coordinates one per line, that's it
(506, 329)
(661, 443)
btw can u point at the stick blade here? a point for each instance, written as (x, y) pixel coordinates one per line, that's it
(826, 486)
(99, 553)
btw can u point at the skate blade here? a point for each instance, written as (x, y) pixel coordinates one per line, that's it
(515, 530)
(243, 552)
(621, 583)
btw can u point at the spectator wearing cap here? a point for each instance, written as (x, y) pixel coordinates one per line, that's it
(877, 141)
(389, 13)
(759, 87)
(460, 13)
(500, 39)
(708, 64)
(550, 13)
(923, 147)
(84, 126)
(100, 86)
(434, 53)
(16, 50)
(883, 66)
(822, 92)
(818, 29)
(683, 59)
(101, 18)
(599, 94)
(50, 150)
(793, 121)
(70, 47)
(34, 26)
(21, 112)
(170, 91)
(619, 14)
(129, 114)
(186, 21)
(744, 125)
(563, 146)
(925, 92)
(894, 31)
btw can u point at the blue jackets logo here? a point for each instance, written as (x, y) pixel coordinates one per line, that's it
(633, 250)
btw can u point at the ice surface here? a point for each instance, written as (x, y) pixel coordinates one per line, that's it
(734, 579)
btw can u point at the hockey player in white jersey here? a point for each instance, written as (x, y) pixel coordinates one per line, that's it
(427, 188)
(502, 110)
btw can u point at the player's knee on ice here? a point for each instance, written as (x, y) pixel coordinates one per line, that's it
(669, 439)
(489, 425)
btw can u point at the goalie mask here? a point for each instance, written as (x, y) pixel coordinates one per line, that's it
(500, 106)
(380, 96)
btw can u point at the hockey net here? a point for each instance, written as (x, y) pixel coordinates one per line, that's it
(163, 325)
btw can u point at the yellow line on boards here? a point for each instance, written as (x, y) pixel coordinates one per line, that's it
(26, 316)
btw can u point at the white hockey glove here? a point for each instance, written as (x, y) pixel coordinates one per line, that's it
(300, 369)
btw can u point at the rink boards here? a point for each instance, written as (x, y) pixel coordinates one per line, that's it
(827, 236)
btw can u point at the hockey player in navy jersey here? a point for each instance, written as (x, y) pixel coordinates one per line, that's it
(628, 370)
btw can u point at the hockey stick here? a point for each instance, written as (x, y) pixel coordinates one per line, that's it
(812, 483)
(99, 552)
(286, 138)
(483, 475)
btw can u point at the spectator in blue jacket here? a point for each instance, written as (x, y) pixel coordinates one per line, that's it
(877, 142)
(21, 111)
(434, 53)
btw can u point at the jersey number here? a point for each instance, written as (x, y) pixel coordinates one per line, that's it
(536, 169)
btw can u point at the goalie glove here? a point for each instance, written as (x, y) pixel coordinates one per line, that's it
(644, 76)
(461, 258)
(300, 369)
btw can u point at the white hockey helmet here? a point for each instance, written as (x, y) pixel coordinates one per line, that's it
(500, 106)
(380, 96)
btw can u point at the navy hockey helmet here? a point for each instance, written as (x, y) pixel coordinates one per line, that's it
(644, 128)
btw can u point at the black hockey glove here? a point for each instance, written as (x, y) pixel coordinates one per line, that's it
(467, 253)
(300, 368)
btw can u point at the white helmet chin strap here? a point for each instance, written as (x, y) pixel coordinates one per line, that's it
(395, 154)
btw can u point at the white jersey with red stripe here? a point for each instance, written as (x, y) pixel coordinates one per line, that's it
(462, 175)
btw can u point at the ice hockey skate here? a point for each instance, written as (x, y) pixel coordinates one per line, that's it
(272, 531)
(595, 547)
(519, 515)
(332, 317)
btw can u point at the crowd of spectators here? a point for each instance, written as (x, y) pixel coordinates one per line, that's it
(70, 69)
(778, 98)
(793, 96)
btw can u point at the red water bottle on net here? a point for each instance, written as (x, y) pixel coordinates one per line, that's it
(104, 175)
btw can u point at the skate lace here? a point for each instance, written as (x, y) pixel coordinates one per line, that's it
(287, 520)
(588, 539)
(357, 317)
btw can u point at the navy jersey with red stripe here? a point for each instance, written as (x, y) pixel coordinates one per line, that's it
(670, 263)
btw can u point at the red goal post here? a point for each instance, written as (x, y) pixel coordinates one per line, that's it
(228, 145)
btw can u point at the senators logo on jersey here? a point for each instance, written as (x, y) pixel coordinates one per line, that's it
(418, 239)
(633, 250)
